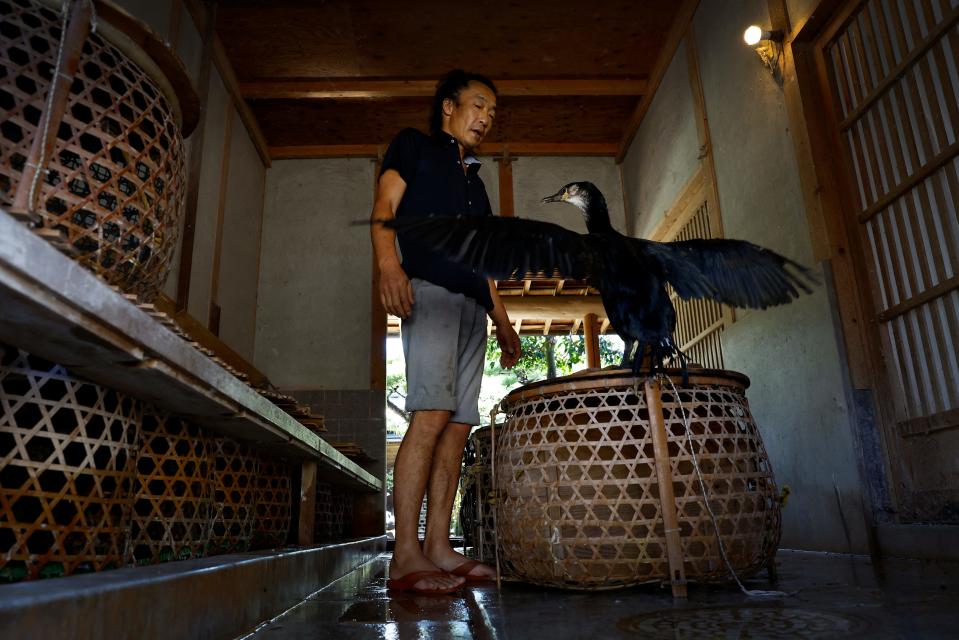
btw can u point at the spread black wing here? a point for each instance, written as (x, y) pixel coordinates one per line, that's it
(734, 272)
(504, 248)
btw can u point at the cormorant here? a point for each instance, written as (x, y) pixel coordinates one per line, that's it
(630, 273)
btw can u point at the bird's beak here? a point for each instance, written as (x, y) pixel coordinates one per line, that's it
(559, 196)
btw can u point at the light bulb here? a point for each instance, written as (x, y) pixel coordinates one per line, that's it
(753, 35)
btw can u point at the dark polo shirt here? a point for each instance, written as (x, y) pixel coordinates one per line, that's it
(436, 184)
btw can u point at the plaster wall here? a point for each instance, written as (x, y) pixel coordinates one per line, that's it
(208, 199)
(537, 177)
(665, 152)
(313, 311)
(240, 259)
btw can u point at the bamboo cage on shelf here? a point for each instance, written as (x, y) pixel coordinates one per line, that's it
(273, 503)
(67, 452)
(234, 496)
(110, 181)
(580, 504)
(173, 490)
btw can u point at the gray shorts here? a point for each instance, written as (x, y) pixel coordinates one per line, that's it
(444, 342)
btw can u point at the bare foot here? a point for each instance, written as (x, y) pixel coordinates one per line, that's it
(404, 563)
(446, 559)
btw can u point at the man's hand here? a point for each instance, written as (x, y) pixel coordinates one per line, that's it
(396, 291)
(509, 345)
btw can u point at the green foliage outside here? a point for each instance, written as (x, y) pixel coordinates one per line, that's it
(568, 355)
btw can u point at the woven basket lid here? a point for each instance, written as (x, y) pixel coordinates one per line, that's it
(614, 377)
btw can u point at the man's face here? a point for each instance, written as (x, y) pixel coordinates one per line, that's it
(470, 119)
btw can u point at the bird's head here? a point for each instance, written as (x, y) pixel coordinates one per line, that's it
(587, 198)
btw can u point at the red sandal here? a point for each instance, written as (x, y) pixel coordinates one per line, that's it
(464, 569)
(408, 583)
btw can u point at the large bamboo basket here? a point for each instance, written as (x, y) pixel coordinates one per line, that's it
(67, 450)
(576, 475)
(113, 182)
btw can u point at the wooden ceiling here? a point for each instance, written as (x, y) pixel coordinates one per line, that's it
(341, 77)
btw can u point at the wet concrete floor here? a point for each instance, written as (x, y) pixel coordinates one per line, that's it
(829, 596)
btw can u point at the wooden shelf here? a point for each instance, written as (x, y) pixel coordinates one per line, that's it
(53, 307)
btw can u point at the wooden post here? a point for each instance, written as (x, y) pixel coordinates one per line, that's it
(667, 501)
(506, 184)
(304, 529)
(78, 26)
(590, 327)
(378, 332)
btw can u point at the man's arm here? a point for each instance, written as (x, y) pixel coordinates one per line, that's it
(396, 292)
(509, 344)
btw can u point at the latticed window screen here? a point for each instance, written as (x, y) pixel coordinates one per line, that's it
(699, 323)
(895, 83)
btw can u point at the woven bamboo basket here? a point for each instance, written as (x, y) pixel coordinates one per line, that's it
(173, 491)
(476, 511)
(234, 496)
(67, 449)
(580, 504)
(111, 180)
(273, 503)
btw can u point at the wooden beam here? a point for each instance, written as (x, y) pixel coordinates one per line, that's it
(684, 17)
(549, 148)
(363, 88)
(553, 307)
(488, 149)
(590, 326)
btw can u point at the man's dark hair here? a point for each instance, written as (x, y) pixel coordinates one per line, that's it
(448, 88)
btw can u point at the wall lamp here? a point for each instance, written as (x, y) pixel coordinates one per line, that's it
(768, 45)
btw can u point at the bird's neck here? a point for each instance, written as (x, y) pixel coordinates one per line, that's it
(597, 218)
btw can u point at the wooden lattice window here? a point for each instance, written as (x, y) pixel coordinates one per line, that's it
(699, 323)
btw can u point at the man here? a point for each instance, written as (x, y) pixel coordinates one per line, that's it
(443, 306)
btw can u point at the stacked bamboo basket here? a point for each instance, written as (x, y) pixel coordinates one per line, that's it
(579, 497)
(92, 157)
(92, 479)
